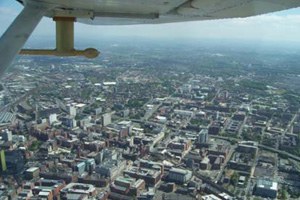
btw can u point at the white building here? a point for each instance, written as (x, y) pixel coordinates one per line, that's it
(184, 113)
(52, 118)
(79, 188)
(85, 121)
(161, 119)
(210, 197)
(106, 119)
(179, 175)
(158, 137)
(71, 110)
(112, 83)
(98, 111)
(266, 188)
(6, 135)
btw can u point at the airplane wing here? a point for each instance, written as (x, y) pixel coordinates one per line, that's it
(127, 12)
(120, 12)
(17, 34)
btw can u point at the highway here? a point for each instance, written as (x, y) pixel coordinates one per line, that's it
(17, 101)
(297, 158)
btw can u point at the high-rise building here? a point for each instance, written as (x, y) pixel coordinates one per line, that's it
(71, 110)
(106, 119)
(214, 129)
(52, 118)
(6, 135)
(203, 136)
(12, 162)
(3, 161)
(98, 111)
(85, 121)
(80, 167)
(70, 122)
(125, 113)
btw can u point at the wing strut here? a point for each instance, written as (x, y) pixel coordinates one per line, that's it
(17, 34)
(64, 42)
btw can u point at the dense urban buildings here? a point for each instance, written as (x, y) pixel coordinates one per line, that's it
(149, 121)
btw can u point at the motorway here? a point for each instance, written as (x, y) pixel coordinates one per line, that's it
(17, 101)
(297, 158)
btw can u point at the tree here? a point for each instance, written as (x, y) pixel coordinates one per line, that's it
(283, 193)
(35, 146)
(234, 179)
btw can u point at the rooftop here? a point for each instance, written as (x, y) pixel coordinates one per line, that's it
(268, 184)
(177, 170)
(32, 169)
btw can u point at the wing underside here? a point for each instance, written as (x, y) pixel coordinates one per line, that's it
(127, 12)
(124, 12)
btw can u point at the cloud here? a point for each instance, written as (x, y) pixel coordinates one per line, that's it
(8, 11)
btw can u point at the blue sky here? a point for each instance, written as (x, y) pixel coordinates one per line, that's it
(281, 26)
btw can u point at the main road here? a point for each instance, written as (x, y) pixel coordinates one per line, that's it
(297, 158)
(228, 157)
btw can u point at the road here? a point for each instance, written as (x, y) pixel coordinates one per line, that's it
(217, 93)
(290, 124)
(232, 149)
(149, 113)
(22, 98)
(17, 101)
(240, 131)
(214, 185)
(297, 158)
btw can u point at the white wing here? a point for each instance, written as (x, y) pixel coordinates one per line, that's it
(125, 12)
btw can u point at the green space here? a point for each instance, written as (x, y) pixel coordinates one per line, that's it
(253, 85)
(199, 122)
(35, 145)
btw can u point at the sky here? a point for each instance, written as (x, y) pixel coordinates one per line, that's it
(281, 26)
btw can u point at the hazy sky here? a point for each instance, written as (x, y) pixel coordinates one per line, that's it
(282, 26)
